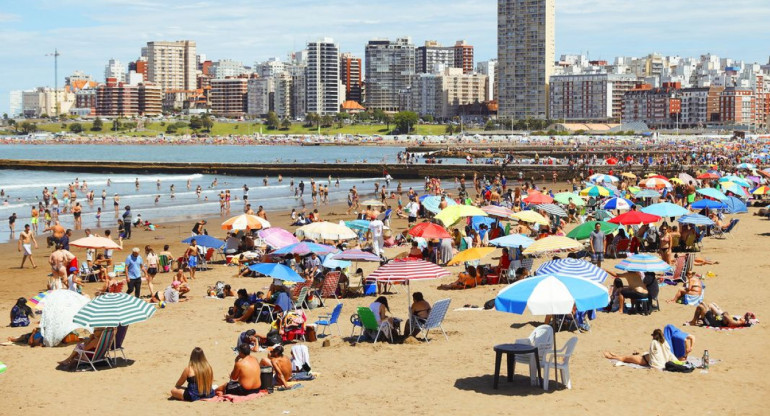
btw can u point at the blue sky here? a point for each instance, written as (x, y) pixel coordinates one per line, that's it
(90, 32)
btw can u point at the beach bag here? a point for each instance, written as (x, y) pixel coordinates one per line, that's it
(675, 367)
(490, 304)
(273, 337)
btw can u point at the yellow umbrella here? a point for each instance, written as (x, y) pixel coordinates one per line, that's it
(651, 174)
(451, 214)
(628, 175)
(530, 216)
(470, 255)
(553, 243)
(676, 181)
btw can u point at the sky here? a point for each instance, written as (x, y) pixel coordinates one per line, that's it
(88, 33)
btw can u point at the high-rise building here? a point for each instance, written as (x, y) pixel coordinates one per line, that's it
(270, 68)
(433, 58)
(441, 95)
(657, 107)
(140, 67)
(119, 99)
(260, 95)
(525, 53)
(324, 88)
(489, 68)
(350, 75)
(172, 65)
(463, 56)
(115, 69)
(390, 70)
(589, 97)
(229, 96)
(16, 109)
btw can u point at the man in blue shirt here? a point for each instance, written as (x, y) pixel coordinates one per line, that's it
(134, 271)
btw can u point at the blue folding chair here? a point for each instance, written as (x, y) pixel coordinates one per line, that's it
(330, 319)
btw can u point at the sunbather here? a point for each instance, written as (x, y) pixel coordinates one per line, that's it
(691, 292)
(244, 379)
(420, 310)
(199, 377)
(713, 315)
(281, 367)
(89, 344)
(656, 357)
(33, 339)
(466, 279)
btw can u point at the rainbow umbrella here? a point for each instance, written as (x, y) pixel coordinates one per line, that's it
(38, 301)
(643, 263)
(762, 190)
(595, 191)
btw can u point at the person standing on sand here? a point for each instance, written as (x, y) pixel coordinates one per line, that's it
(192, 257)
(35, 214)
(26, 239)
(127, 220)
(134, 272)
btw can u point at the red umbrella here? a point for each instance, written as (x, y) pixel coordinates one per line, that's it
(537, 198)
(612, 161)
(635, 217)
(708, 175)
(658, 176)
(429, 231)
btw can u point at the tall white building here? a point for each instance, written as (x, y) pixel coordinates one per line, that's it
(389, 72)
(489, 68)
(16, 105)
(115, 69)
(525, 52)
(225, 68)
(324, 93)
(172, 65)
(259, 96)
(270, 68)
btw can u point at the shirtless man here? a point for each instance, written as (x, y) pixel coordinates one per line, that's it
(57, 232)
(26, 240)
(281, 367)
(59, 261)
(245, 377)
(192, 257)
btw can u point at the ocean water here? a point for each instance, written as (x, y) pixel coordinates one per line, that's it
(22, 189)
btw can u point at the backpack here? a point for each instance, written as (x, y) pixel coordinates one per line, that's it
(679, 368)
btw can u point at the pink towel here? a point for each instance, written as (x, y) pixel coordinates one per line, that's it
(235, 399)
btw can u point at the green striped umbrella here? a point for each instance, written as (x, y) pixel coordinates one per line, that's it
(113, 309)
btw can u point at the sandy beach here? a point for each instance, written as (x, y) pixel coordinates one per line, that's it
(440, 377)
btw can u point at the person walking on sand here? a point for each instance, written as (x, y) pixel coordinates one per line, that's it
(127, 220)
(134, 272)
(26, 240)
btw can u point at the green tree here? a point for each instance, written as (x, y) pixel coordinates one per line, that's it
(196, 123)
(98, 125)
(44, 115)
(312, 119)
(450, 129)
(285, 124)
(428, 118)
(12, 123)
(117, 125)
(490, 125)
(327, 121)
(387, 119)
(272, 120)
(405, 121)
(207, 123)
(379, 115)
(171, 129)
(76, 128)
(28, 127)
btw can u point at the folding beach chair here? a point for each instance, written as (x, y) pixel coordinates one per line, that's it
(164, 263)
(302, 298)
(330, 319)
(329, 288)
(117, 345)
(677, 275)
(435, 318)
(731, 226)
(87, 274)
(100, 354)
(365, 320)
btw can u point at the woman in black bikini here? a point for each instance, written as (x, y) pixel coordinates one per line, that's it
(420, 310)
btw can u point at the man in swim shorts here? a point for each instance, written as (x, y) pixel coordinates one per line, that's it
(26, 239)
(245, 377)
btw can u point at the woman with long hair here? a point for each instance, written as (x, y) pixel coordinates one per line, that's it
(379, 307)
(198, 375)
(659, 354)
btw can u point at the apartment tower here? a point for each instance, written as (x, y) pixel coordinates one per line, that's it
(350, 75)
(172, 65)
(324, 88)
(389, 71)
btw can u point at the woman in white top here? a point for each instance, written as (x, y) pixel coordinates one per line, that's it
(379, 307)
(659, 354)
(151, 261)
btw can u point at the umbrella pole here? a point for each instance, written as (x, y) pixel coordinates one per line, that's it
(555, 369)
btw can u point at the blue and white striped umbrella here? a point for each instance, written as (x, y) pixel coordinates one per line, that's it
(665, 209)
(113, 309)
(552, 294)
(512, 241)
(695, 219)
(432, 202)
(574, 268)
(618, 203)
(643, 263)
(600, 178)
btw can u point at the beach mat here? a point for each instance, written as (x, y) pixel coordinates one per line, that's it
(230, 398)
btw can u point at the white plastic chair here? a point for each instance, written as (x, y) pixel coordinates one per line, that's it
(542, 338)
(564, 353)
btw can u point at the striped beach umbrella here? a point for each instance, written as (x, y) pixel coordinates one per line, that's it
(643, 263)
(357, 255)
(401, 271)
(553, 209)
(497, 211)
(553, 243)
(114, 309)
(245, 222)
(38, 301)
(695, 219)
(431, 203)
(762, 190)
(665, 209)
(512, 241)
(574, 268)
(655, 183)
(595, 191)
(618, 203)
(552, 294)
(602, 178)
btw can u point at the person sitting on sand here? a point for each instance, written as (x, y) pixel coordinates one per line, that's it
(691, 292)
(415, 251)
(713, 315)
(281, 367)
(20, 313)
(89, 344)
(244, 379)
(170, 295)
(466, 279)
(199, 377)
(33, 339)
(240, 306)
(617, 301)
(657, 357)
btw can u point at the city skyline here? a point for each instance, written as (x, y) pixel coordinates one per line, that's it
(88, 33)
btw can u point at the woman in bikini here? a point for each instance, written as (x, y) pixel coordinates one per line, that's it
(689, 294)
(665, 245)
(419, 312)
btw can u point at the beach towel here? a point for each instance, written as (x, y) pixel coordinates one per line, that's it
(229, 398)
(676, 339)
(300, 357)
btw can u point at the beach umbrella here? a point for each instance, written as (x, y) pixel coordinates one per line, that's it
(618, 203)
(512, 241)
(304, 248)
(584, 230)
(735, 179)
(205, 241)
(406, 271)
(595, 191)
(628, 175)
(476, 222)
(497, 211)
(96, 243)
(358, 225)
(686, 178)
(564, 197)
(675, 180)
(277, 237)
(537, 198)
(647, 193)
(695, 219)
(471, 254)
(712, 193)
(708, 175)
(762, 190)
(38, 301)
(634, 190)
(665, 209)
(114, 309)
(735, 189)
(245, 222)
(56, 321)
(655, 183)
(656, 175)
(574, 268)
(357, 255)
(450, 215)
(429, 231)
(643, 263)
(431, 203)
(635, 217)
(373, 203)
(277, 271)
(325, 230)
(330, 262)
(553, 243)
(531, 217)
(745, 166)
(602, 178)
(735, 206)
(708, 204)
(602, 215)
(611, 161)
(552, 294)
(553, 209)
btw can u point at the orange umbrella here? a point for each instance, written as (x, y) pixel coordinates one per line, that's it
(245, 222)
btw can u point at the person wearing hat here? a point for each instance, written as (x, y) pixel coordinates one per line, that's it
(73, 281)
(134, 271)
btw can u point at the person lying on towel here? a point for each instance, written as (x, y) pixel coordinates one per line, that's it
(713, 315)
